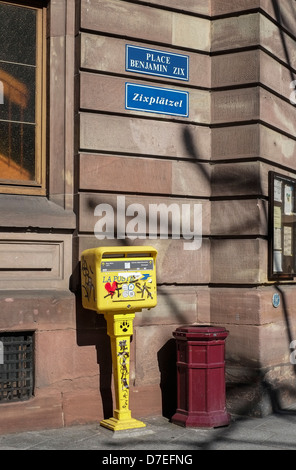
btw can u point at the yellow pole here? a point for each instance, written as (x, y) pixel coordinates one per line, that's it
(120, 329)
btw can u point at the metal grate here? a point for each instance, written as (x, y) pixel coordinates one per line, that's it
(16, 366)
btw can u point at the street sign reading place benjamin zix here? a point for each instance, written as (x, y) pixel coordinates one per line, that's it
(155, 62)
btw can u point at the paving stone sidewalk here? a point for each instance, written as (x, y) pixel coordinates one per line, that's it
(275, 432)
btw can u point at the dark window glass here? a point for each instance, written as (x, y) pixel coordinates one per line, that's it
(17, 151)
(18, 34)
(17, 92)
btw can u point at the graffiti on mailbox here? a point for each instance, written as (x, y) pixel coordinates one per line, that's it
(87, 281)
(112, 288)
(123, 355)
(144, 290)
(129, 288)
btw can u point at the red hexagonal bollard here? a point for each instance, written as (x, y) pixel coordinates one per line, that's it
(201, 396)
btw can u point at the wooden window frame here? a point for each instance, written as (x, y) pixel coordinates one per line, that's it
(287, 271)
(38, 186)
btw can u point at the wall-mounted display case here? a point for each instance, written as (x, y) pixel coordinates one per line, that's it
(282, 218)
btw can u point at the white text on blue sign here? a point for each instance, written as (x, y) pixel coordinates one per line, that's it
(156, 100)
(154, 62)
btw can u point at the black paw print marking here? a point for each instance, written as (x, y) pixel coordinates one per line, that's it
(124, 326)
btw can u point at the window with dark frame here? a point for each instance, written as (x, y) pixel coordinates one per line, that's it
(22, 98)
(282, 259)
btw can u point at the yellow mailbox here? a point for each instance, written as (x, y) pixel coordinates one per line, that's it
(117, 282)
(118, 279)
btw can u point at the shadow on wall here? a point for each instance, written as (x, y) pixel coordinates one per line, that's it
(167, 359)
(91, 327)
(282, 21)
(91, 330)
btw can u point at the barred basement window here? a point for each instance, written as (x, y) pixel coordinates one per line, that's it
(16, 366)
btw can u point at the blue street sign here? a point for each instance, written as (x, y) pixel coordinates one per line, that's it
(156, 100)
(154, 62)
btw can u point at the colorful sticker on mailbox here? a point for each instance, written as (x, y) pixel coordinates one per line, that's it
(127, 285)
